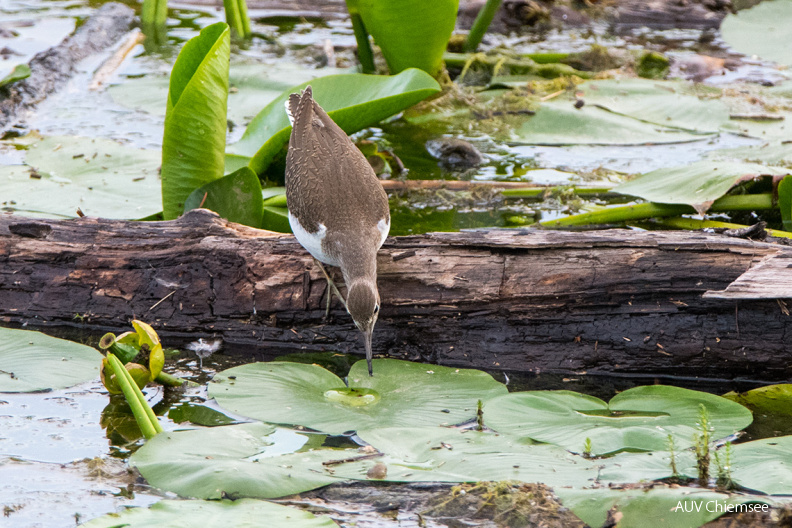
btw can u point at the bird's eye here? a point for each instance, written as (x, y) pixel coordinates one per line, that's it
(376, 308)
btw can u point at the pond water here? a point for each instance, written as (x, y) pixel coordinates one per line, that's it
(62, 452)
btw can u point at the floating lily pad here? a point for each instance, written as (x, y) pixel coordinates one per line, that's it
(410, 394)
(99, 176)
(560, 123)
(764, 465)
(666, 103)
(231, 460)
(638, 419)
(437, 454)
(772, 153)
(761, 30)
(31, 361)
(698, 184)
(240, 513)
(669, 507)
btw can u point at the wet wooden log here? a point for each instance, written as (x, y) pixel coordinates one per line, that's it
(528, 300)
(50, 69)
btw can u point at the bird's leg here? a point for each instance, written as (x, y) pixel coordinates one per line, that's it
(333, 289)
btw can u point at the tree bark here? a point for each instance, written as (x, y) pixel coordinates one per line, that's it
(527, 300)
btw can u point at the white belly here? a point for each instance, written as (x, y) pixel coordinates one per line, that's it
(312, 242)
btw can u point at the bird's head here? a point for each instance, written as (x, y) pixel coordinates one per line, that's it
(363, 306)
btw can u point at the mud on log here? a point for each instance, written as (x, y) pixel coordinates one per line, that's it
(528, 300)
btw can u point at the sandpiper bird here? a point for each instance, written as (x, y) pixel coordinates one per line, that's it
(338, 209)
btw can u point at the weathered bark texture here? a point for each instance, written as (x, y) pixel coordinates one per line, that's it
(604, 301)
(52, 68)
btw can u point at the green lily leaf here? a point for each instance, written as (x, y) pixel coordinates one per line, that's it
(698, 184)
(667, 507)
(193, 146)
(411, 33)
(785, 201)
(776, 399)
(664, 103)
(32, 361)
(640, 418)
(235, 197)
(441, 454)
(409, 394)
(761, 30)
(560, 123)
(764, 465)
(275, 219)
(354, 101)
(232, 460)
(99, 176)
(772, 153)
(20, 71)
(244, 512)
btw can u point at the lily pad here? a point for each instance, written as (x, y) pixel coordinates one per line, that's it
(32, 361)
(764, 465)
(231, 460)
(636, 419)
(560, 123)
(410, 394)
(669, 507)
(240, 513)
(776, 399)
(762, 30)
(666, 103)
(438, 454)
(771, 153)
(354, 101)
(698, 184)
(98, 176)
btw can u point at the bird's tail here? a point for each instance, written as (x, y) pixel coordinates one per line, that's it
(296, 101)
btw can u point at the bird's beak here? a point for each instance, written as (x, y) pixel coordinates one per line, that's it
(367, 341)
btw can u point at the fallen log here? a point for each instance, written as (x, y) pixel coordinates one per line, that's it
(528, 300)
(50, 69)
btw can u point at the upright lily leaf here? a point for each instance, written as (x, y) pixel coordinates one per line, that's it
(235, 197)
(785, 202)
(231, 460)
(193, 146)
(411, 33)
(761, 30)
(20, 71)
(240, 513)
(640, 418)
(400, 393)
(354, 101)
(698, 184)
(32, 361)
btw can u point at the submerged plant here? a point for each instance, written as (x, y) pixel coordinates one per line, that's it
(701, 441)
(672, 456)
(724, 465)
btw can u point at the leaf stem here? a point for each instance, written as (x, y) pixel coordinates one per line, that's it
(144, 415)
(365, 55)
(641, 211)
(481, 24)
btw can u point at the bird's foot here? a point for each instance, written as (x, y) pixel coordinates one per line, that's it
(332, 290)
